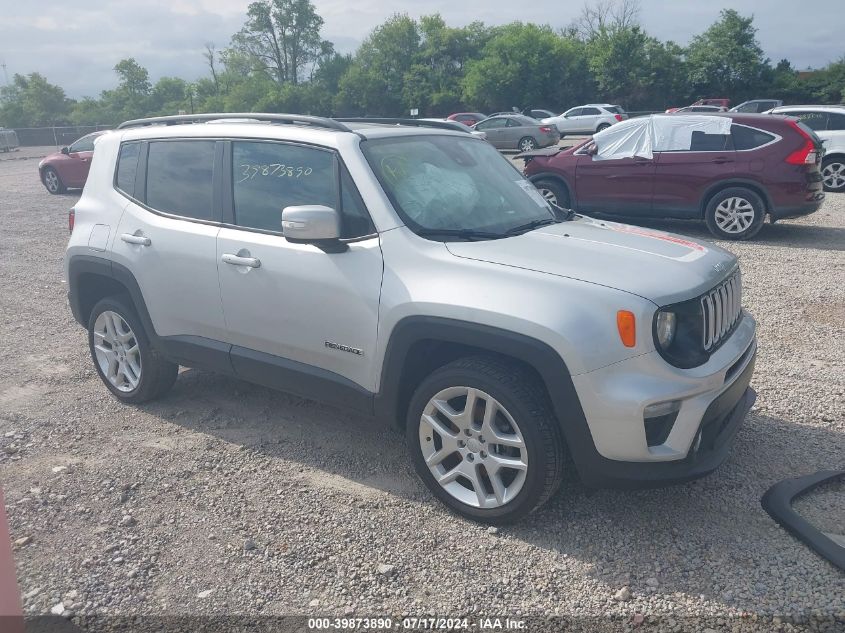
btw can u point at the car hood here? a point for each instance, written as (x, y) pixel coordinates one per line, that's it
(661, 267)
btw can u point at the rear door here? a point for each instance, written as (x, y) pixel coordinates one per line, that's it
(589, 120)
(683, 175)
(167, 236)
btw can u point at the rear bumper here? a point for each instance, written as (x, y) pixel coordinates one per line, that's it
(782, 213)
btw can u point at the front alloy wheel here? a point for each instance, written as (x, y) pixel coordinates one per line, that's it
(473, 447)
(52, 181)
(833, 175)
(483, 438)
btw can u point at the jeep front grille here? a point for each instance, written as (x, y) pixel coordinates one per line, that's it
(721, 308)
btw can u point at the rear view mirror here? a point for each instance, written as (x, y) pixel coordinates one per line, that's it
(310, 224)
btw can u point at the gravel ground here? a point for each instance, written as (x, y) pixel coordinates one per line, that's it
(227, 498)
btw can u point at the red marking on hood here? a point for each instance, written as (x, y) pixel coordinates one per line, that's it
(674, 239)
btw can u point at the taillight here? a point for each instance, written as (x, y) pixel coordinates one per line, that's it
(618, 117)
(546, 130)
(71, 218)
(807, 155)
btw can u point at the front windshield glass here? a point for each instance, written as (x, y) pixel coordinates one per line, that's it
(454, 184)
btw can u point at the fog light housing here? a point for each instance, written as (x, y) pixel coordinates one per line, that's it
(658, 419)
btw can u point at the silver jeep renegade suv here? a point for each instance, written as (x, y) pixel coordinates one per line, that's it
(413, 274)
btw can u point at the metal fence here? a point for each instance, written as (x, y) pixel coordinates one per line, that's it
(55, 136)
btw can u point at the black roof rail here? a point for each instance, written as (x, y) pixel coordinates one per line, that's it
(443, 125)
(290, 119)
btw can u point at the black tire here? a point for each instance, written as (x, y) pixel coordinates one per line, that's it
(603, 126)
(53, 186)
(555, 189)
(527, 402)
(743, 194)
(526, 144)
(836, 163)
(157, 374)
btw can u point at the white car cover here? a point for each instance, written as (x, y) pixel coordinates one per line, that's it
(657, 133)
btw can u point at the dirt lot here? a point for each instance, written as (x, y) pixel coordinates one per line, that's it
(229, 498)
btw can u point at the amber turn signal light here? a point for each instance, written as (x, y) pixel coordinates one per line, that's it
(626, 323)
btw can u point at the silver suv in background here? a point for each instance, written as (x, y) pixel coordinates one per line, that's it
(587, 119)
(828, 122)
(412, 274)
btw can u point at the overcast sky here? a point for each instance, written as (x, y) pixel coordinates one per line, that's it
(76, 44)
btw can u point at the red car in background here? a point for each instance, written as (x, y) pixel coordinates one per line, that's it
(757, 165)
(68, 168)
(467, 118)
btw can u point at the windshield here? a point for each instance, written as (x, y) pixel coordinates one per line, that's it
(447, 183)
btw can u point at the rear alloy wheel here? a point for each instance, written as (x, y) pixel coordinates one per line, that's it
(833, 174)
(554, 193)
(123, 357)
(484, 440)
(527, 144)
(735, 214)
(602, 127)
(53, 182)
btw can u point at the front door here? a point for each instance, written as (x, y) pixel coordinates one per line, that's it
(74, 169)
(620, 187)
(297, 307)
(496, 131)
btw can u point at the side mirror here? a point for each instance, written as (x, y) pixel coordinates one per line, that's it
(311, 224)
(65, 150)
(592, 150)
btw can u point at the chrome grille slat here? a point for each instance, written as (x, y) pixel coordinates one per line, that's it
(721, 308)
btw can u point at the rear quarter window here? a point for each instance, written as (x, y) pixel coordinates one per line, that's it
(749, 137)
(835, 121)
(127, 166)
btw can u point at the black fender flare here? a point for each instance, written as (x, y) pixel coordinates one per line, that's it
(540, 356)
(79, 265)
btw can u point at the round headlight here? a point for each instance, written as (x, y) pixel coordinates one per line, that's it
(665, 329)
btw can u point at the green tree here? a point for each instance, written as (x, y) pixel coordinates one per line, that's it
(282, 37)
(134, 78)
(32, 101)
(526, 65)
(726, 60)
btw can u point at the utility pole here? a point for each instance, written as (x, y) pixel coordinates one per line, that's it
(5, 73)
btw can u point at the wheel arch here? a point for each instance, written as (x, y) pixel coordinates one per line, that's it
(550, 175)
(91, 279)
(420, 344)
(714, 189)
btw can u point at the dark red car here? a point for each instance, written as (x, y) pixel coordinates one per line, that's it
(467, 118)
(754, 165)
(68, 168)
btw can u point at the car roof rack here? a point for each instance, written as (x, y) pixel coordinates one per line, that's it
(289, 119)
(443, 125)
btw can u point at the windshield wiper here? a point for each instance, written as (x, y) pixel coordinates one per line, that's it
(469, 235)
(530, 226)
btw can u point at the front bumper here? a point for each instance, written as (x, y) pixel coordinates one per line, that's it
(714, 399)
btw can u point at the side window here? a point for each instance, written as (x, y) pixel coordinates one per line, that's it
(590, 111)
(702, 142)
(179, 178)
(492, 124)
(574, 112)
(749, 137)
(814, 120)
(127, 164)
(512, 122)
(85, 144)
(835, 121)
(267, 177)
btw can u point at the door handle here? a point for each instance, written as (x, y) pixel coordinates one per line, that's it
(721, 161)
(140, 240)
(238, 260)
